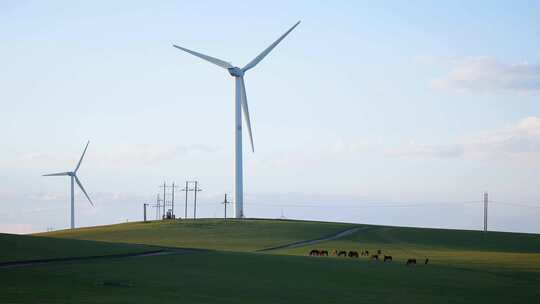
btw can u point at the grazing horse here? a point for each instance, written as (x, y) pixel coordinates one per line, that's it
(314, 252)
(342, 253)
(375, 257)
(427, 261)
(353, 254)
(411, 262)
(323, 253)
(388, 258)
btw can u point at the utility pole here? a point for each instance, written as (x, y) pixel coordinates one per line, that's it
(186, 189)
(164, 196)
(196, 189)
(157, 206)
(485, 211)
(144, 208)
(225, 202)
(158, 210)
(172, 199)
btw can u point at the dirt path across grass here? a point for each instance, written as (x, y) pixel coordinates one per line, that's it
(335, 236)
(165, 251)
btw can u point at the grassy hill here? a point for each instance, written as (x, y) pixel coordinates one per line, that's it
(231, 235)
(467, 266)
(457, 248)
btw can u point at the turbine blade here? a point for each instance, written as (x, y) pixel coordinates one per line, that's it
(82, 156)
(213, 60)
(84, 191)
(57, 174)
(261, 56)
(246, 112)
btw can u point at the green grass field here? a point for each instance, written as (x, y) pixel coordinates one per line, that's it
(24, 247)
(466, 267)
(246, 235)
(496, 251)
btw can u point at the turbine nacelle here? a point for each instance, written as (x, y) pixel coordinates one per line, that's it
(236, 72)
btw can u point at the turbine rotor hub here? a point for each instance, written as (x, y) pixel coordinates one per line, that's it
(236, 72)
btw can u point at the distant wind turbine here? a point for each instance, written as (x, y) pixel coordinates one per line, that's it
(239, 105)
(74, 178)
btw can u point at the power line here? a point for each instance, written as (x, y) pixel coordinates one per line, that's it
(383, 205)
(364, 205)
(516, 204)
(157, 206)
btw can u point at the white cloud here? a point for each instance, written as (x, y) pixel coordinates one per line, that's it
(115, 156)
(47, 196)
(150, 154)
(519, 141)
(484, 74)
(413, 149)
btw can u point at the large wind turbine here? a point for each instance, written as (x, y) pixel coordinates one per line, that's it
(74, 178)
(239, 105)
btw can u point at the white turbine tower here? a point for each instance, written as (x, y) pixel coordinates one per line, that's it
(74, 178)
(239, 105)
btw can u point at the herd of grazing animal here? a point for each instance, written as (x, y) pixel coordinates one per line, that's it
(316, 252)
(355, 254)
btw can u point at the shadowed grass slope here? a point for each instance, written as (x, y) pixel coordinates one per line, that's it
(25, 247)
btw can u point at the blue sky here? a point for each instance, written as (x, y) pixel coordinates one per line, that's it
(363, 111)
